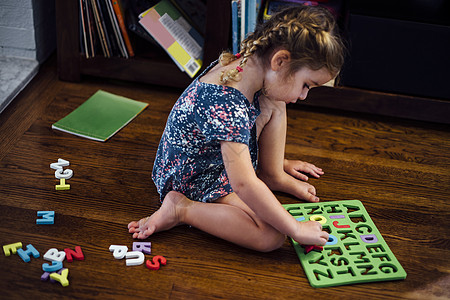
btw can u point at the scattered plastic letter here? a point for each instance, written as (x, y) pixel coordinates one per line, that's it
(77, 254)
(55, 266)
(118, 251)
(156, 262)
(144, 247)
(134, 258)
(7, 249)
(48, 217)
(61, 278)
(25, 254)
(60, 164)
(54, 255)
(62, 186)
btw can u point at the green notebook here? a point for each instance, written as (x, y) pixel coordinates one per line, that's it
(100, 116)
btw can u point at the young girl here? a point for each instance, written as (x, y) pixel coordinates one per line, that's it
(222, 151)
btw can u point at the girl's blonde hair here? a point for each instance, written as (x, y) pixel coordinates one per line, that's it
(308, 33)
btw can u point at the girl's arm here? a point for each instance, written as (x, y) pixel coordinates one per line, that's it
(261, 200)
(272, 167)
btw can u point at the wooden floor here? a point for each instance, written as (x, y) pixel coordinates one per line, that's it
(399, 169)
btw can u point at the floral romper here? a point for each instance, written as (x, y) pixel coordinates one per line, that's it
(189, 158)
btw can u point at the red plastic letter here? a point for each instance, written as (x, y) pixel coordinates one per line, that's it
(156, 262)
(336, 224)
(78, 254)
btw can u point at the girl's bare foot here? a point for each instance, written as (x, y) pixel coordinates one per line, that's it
(166, 217)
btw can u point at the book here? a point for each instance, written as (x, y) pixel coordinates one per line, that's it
(194, 12)
(243, 19)
(108, 27)
(84, 31)
(251, 16)
(101, 29)
(87, 31)
(132, 10)
(116, 32)
(182, 42)
(235, 25)
(109, 31)
(123, 29)
(101, 116)
(90, 21)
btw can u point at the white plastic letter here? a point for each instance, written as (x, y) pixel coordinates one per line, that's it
(54, 255)
(66, 174)
(60, 164)
(118, 251)
(135, 258)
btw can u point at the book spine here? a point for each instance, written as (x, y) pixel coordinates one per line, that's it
(100, 31)
(84, 40)
(107, 27)
(116, 33)
(234, 25)
(120, 20)
(243, 19)
(90, 27)
(251, 16)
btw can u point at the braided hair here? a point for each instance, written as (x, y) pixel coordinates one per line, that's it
(308, 33)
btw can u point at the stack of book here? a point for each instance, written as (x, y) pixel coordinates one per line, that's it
(168, 25)
(102, 27)
(175, 25)
(243, 20)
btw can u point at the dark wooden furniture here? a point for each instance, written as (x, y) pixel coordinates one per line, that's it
(158, 69)
(399, 170)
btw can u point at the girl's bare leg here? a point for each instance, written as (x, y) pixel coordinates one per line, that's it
(228, 218)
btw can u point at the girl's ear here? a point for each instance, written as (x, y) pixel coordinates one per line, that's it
(279, 59)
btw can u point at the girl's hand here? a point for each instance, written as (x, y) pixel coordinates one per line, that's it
(296, 168)
(310, 233)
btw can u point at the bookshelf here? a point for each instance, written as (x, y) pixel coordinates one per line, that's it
(153, 67)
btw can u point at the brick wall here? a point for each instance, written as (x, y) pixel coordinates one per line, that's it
(27, 28)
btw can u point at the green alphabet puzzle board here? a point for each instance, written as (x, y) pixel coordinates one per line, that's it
(356, 251)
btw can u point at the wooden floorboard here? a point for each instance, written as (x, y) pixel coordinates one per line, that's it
(399, 169)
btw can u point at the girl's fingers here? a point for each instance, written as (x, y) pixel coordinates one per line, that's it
(323, 241)
(314, 174)
(301, 170)
(315, 171)
(132, 224)
(300, 176)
